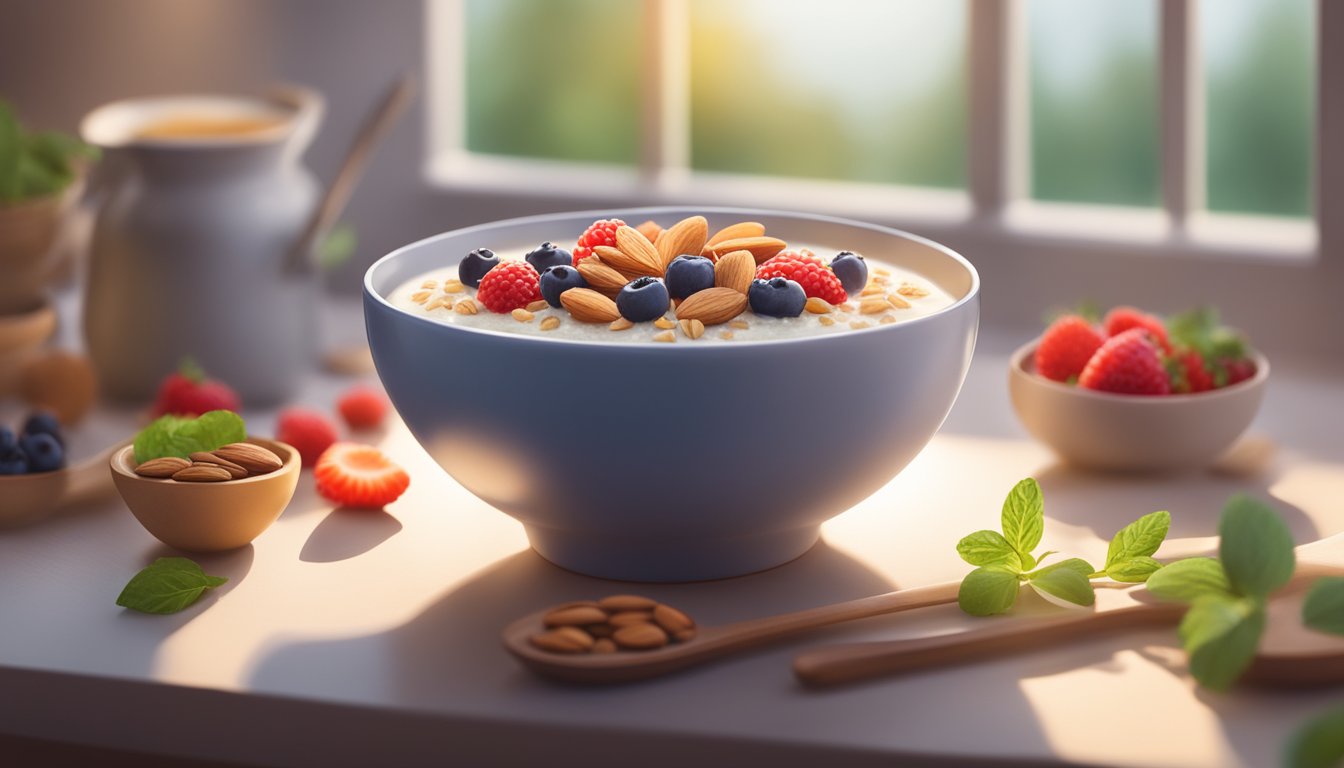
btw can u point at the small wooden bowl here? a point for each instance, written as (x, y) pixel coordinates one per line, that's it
(32, 497)
(22, 335)
(208, 517)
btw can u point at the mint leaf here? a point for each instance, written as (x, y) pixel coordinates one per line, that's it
(1319, 743)
(988, 590)
(1023, 519)
(1075, 564)
(1323, 610)
(1186, 581)
(1134, 570)
(988, 548)
(167, 585)
(1255, 547)
(1140, 538)
(1220, 635)
(174, 436)
(1066, 584)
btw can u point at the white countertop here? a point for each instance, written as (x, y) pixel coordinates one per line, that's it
(356, 638)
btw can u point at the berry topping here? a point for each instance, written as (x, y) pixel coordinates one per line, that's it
(307, 430)
(1237, 371)
(600, 232)
(1188, 372)
(808, 271)
(509, 286)
(1127, 364)
(688, 274)
(1121, 319)
(361, 476)
(474, 266)
(557, 280)
(851, 269)
(189, 393)
(548, 255)
(776, 297)
(1065, 348)
(362, 407)
(39, 423)
(643, 299)
(43, 452)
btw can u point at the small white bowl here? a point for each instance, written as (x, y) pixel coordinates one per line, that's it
(1132, 433)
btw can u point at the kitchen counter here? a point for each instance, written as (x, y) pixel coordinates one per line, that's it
(372, 638)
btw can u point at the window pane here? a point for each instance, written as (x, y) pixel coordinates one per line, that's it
(843, 89)
(1259, 59)
(554, 78)
(1094, 101)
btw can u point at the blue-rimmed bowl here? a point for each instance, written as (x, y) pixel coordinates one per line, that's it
(673, 462)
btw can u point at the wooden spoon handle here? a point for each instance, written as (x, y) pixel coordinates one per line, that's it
(839, 664)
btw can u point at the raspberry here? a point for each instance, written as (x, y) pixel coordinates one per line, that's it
(509, 286)
(807, 271)
(360, 476)
(362, 407)
(1188, 372)
(308, 431)
(600, 232)
(1121, 319)
(1238, 370)
(1127, 364)
(1065, 348)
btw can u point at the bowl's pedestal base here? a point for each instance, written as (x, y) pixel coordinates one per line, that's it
(669, 560)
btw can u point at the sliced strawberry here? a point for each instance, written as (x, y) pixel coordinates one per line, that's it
(361, 476)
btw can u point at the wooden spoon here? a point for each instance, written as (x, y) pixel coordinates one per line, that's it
(709, 643)
(1290, 655)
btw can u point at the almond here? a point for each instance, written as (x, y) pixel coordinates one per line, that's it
(255, 459)
(735, 270)
(626, 618)
(574, 616)
(817, 306)
(601, 277)
(209, 458)
(537, 305)
(693, 329)
(640, 250)
(873, 306)
(672, 620)
(621, 603)
(737, 231)
(897, 301)
(166, 466)
(564, 640)
(621, 324)
(651, 230)
(640, 637)
(761, 248)
(712, 306)
(550, 323)
(522, 315)
(605, 645)
(589, 306)
(202, 473)
(617, 260)
(686, 236)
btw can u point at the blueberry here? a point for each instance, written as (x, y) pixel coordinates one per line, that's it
(776, 297)
(643, 299)
(688, 274)
(851, 269)
(549, 255)
(43, 452)
(43, 423)
(13, 461)
(474, 266)
(7, 439)
(557, 280)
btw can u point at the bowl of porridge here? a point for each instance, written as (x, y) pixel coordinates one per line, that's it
(668, 394)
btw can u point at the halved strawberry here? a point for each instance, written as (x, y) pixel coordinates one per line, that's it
(356, 475)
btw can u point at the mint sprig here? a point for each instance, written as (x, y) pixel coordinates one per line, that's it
(175, 436)
(1005, 559)
(167, 585)
(1323, 610)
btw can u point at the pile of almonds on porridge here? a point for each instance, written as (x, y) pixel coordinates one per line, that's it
(614, 623)
(675, 283)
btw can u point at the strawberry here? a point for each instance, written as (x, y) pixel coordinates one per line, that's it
(308, 431)
(600, 232)
(1127, 364)
(362, 407)
(361, 476)
(1065, 348)
(510, 285)
(806, 270)
(189, 393)
(1189, 373)
(1237, 370)
(1121, 319)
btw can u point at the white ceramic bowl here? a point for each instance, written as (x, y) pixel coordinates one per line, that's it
(1132, 433)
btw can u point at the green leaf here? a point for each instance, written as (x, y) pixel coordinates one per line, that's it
(1319, 743)
(174, 436)
(1186, 581)
(1134, 570)
(337, 247)
(1023, 517)
(988, 548)
(1323, 609)
(988, 590)
(1075, 564)
(1140, 538)
(1255, 547)
(1066, 584)
(1220, 635)
(167, 585)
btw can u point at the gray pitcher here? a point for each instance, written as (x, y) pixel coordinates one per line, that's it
(189, 250)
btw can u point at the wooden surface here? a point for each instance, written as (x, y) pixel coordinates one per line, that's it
(355, 638)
